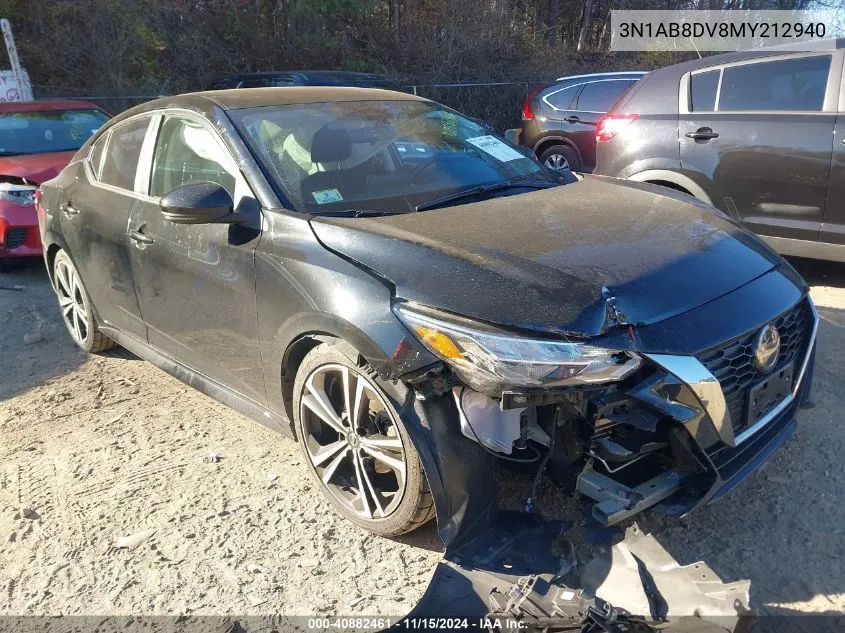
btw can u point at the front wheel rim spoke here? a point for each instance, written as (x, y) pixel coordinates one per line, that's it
(370, 486)
(80, 313)
(319, 403)
(362, 495)
(388, 442)
(329, 471)
(76, 327)
(325, 453)
(396, 464)
(358, 401)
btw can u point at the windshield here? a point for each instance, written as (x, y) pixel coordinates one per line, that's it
(42, 131)
(379, 155)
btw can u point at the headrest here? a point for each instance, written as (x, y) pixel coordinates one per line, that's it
(331, 145)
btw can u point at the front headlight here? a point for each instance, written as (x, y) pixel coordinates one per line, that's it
(490, 361)
(17, 194)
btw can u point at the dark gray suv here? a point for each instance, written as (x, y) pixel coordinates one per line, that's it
(758, 134)
(559, 119)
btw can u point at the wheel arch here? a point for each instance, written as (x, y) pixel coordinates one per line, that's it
(392, 354)
(673, 180)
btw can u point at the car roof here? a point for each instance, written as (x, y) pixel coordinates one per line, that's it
(257, 97)
(630, 73)
(818, 46)
(315, 73)
(47, 104)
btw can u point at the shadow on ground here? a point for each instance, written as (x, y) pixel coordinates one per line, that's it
(820, 273)
(34, 345)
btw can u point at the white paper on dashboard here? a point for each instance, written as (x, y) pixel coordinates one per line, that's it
(495, 148)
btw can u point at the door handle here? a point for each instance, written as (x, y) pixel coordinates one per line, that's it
(702, 134)
(69, 210)
(572, 119)
(140, 238)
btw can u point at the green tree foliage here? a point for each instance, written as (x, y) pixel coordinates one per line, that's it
(125, 47)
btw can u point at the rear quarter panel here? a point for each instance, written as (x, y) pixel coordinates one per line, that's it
(651, 141)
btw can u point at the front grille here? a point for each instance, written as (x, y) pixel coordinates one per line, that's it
(732, 363)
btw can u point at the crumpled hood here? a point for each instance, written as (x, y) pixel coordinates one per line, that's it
(36, 168)
(551, 260)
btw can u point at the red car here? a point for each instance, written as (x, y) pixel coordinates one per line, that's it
(37, 140)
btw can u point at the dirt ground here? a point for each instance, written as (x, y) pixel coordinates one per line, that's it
(93, 449)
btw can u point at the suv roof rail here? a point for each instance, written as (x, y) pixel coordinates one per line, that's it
(604, 74)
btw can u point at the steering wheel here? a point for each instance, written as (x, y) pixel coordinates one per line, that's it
(422, 166)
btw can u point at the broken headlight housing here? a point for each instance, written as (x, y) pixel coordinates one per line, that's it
(17, 194)
(491, 361)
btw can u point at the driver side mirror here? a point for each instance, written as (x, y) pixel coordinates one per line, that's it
(199, 203)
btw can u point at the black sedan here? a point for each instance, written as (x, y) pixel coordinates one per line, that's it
(418, 301)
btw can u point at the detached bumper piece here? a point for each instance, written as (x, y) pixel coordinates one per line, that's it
(510, 579)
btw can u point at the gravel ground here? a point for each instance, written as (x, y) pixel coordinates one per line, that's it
(93, 449)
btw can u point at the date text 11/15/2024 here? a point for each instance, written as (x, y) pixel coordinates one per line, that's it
(488, 623)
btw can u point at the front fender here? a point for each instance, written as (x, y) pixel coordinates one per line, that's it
(303, 290)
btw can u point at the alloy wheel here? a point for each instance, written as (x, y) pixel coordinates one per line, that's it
(556, 162)
(72, 302)
(352, 441)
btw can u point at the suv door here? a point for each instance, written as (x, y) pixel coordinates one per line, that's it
(95, 211)
(833, 227)
(592, 103)
(756, 135)
(196, 282)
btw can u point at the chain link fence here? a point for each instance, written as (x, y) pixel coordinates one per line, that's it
(497, 103)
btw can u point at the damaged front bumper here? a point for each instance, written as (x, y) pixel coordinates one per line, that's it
(683, 431)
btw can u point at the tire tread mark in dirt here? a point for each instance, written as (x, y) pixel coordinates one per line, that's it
(133, 481)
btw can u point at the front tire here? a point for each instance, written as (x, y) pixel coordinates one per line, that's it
(75, 307)
(356, 445)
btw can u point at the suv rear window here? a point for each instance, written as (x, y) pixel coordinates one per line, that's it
(598, 96)
(780, 85)
(702, 91)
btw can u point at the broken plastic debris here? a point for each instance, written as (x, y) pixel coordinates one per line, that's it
(134, 541)
(211, 458)
(252, 568)
(31, 339)
(777, 479)
(355, 600)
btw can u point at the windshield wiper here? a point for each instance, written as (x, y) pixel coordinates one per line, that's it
(482, 190)
(357, 213)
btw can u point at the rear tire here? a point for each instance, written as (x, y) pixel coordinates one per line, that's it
(75, 307)
(358, 450)
(559, 157)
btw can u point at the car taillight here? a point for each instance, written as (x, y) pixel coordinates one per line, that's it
(527, 111)
(611, 124)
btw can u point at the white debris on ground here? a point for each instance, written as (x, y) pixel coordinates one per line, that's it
(106, 505)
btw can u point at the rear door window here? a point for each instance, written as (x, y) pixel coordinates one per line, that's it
(561, 99)
(703, 89)
(796, 84)
(121, 156)
(598, 96)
